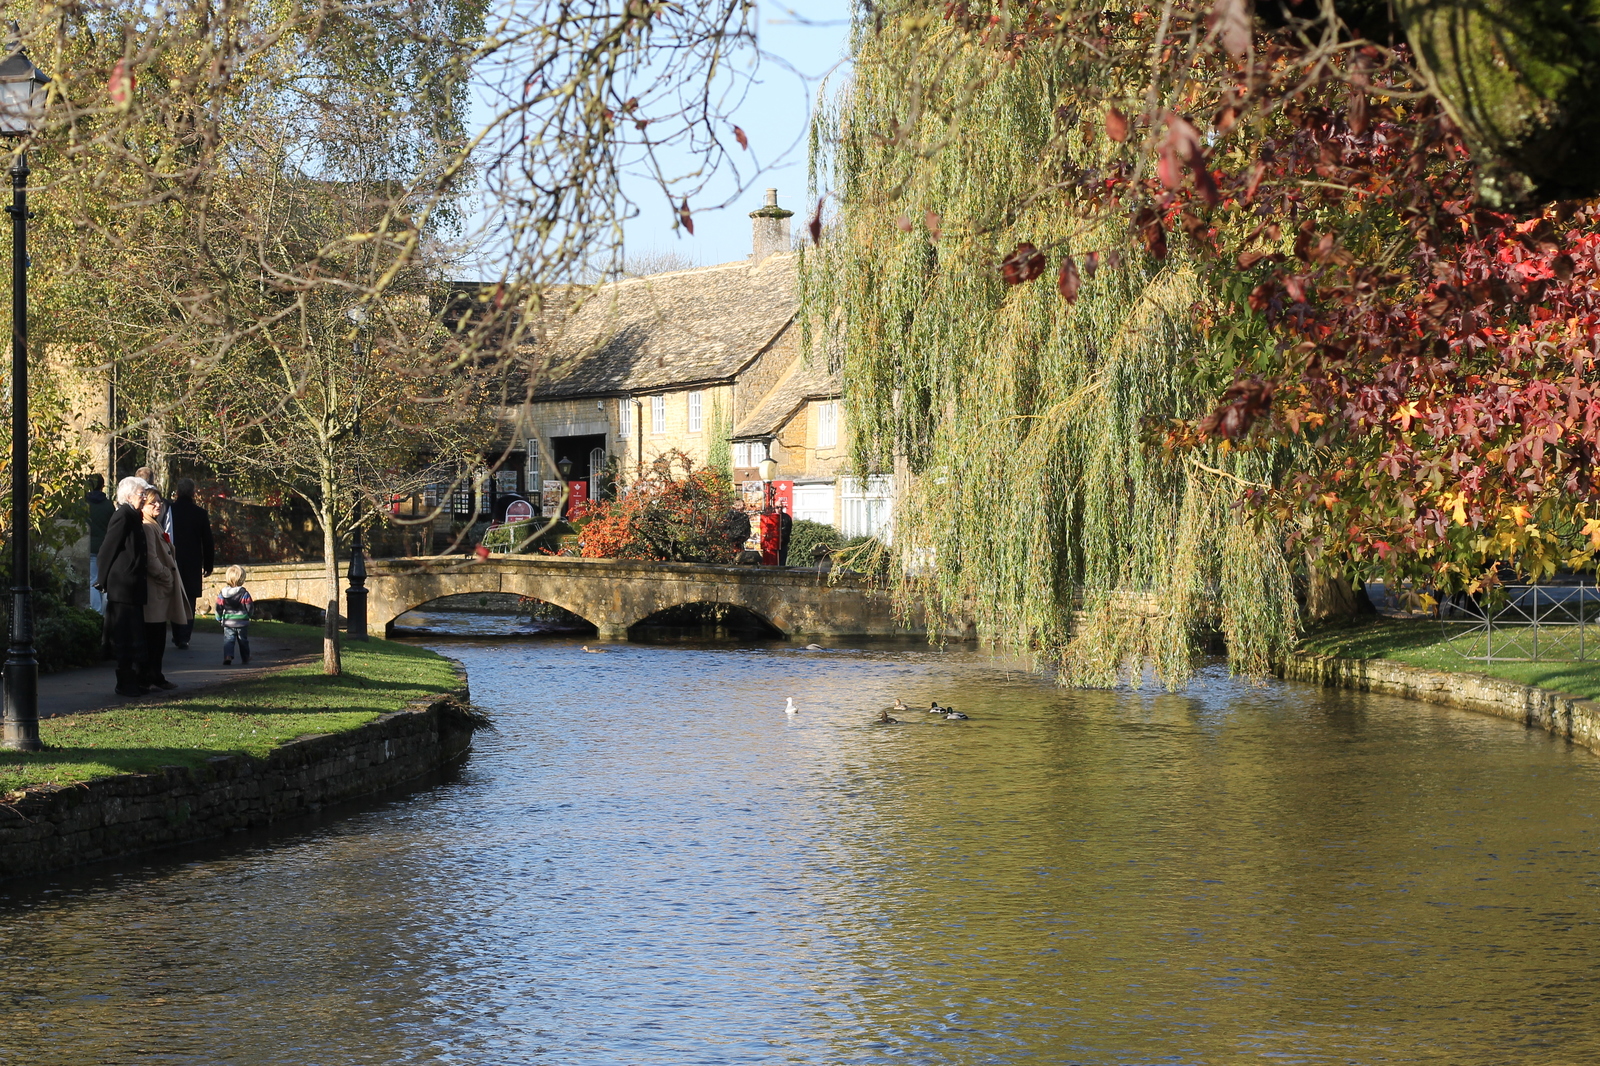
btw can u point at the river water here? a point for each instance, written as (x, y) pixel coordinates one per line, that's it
(648, 862)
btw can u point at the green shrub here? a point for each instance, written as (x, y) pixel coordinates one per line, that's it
(65, 637)
(520, 537)
(805, 535)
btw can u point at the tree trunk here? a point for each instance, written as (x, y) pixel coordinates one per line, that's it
(331, 664)
(157, 456)
(1331, 597)
(1520, 79)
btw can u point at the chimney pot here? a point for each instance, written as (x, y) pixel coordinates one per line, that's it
(769, 229)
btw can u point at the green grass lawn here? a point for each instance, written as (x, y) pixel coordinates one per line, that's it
(251, 717)
(1423, 643)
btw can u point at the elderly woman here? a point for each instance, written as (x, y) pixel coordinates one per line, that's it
(164, 597)
(122, 574)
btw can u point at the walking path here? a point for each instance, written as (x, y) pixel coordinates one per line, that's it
(197, 667)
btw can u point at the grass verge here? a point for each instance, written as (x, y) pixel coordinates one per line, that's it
(250, 718)
(1423, 643)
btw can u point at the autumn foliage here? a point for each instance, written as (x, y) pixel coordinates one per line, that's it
(671, 512)
(1425, 366)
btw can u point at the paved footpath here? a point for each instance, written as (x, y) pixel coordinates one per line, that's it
(197, 667)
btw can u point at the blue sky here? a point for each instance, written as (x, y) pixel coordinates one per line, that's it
(802, 44)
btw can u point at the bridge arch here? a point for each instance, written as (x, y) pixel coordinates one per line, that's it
(739, 618)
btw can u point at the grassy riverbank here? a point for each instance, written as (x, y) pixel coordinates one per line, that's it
(1421, 643)
(251, 717)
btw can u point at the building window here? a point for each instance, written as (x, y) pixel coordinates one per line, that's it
(749, 453)
(827, 425)
(658, 413)
(814, 503)
(624, 418)
(867, 504)
(694, 412)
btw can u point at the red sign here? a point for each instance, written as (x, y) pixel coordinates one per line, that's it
(783, 496)
(577, 495)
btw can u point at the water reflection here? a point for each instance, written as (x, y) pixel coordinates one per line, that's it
(648, 863)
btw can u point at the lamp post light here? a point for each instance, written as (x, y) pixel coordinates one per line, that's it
(768, 469)
(21, 109)
(355, 595)
(564, 468)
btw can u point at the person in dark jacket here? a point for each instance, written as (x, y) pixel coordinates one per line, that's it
(192, 544)
(123, 581)
(100, 511)
(785, 527)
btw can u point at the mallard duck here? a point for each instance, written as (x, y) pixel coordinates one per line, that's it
(813, 647)
(900, 704)
(885, 719)
(953, 715)
(593, 651)
(790, 708)
(934, 708)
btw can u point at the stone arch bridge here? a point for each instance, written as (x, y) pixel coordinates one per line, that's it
(611, 594)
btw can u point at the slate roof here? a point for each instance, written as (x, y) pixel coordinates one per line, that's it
(671, 330)
(805, 380)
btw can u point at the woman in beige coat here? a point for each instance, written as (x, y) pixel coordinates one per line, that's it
(164, 600)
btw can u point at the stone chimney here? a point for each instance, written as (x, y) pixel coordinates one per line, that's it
(769, 229)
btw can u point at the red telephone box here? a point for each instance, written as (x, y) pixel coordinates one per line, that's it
(769, 538)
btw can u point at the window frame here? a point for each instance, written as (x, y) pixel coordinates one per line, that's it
(828, 424)
(658, 414)
(696, 407)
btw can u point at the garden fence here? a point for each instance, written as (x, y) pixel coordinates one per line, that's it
(1524, 623)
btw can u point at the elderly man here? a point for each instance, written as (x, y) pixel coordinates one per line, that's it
(122, 575)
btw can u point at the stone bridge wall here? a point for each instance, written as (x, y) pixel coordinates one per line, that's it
(612, 594)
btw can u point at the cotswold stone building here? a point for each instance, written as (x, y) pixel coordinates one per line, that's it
(705, 361)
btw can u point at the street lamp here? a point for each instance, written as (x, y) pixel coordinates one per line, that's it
(21, 108)
(768, 469)
(565, 466)
(355, 614)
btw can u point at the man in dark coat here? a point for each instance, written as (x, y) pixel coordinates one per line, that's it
(100, 510)
(122, 580)
(193, 548)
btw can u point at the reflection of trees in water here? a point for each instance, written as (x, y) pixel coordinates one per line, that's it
(549, 614)
(708, 621)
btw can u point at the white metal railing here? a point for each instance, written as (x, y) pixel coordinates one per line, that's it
(1524, 623)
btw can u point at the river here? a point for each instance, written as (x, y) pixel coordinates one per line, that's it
(649, 863)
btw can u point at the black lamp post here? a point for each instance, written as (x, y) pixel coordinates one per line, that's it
(565, 466)
(355, 595)
(21, 107)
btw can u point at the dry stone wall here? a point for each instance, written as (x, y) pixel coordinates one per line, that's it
(55, 826)
(1576, 719)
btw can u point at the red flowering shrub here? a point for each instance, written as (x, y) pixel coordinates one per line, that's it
(663, 517)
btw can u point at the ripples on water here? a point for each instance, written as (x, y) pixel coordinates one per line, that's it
(647, 863)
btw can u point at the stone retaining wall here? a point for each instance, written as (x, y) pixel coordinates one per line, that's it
(1576, 719)
(54, 826)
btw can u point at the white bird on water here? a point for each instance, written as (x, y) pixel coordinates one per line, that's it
(791, 708)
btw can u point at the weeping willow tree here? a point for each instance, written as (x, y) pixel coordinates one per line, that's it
(1027, 421)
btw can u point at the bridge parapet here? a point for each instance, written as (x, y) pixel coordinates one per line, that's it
(613, 594)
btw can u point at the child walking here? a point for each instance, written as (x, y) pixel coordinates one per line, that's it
(233, 611)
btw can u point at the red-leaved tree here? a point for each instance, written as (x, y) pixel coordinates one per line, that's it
(670, 512)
